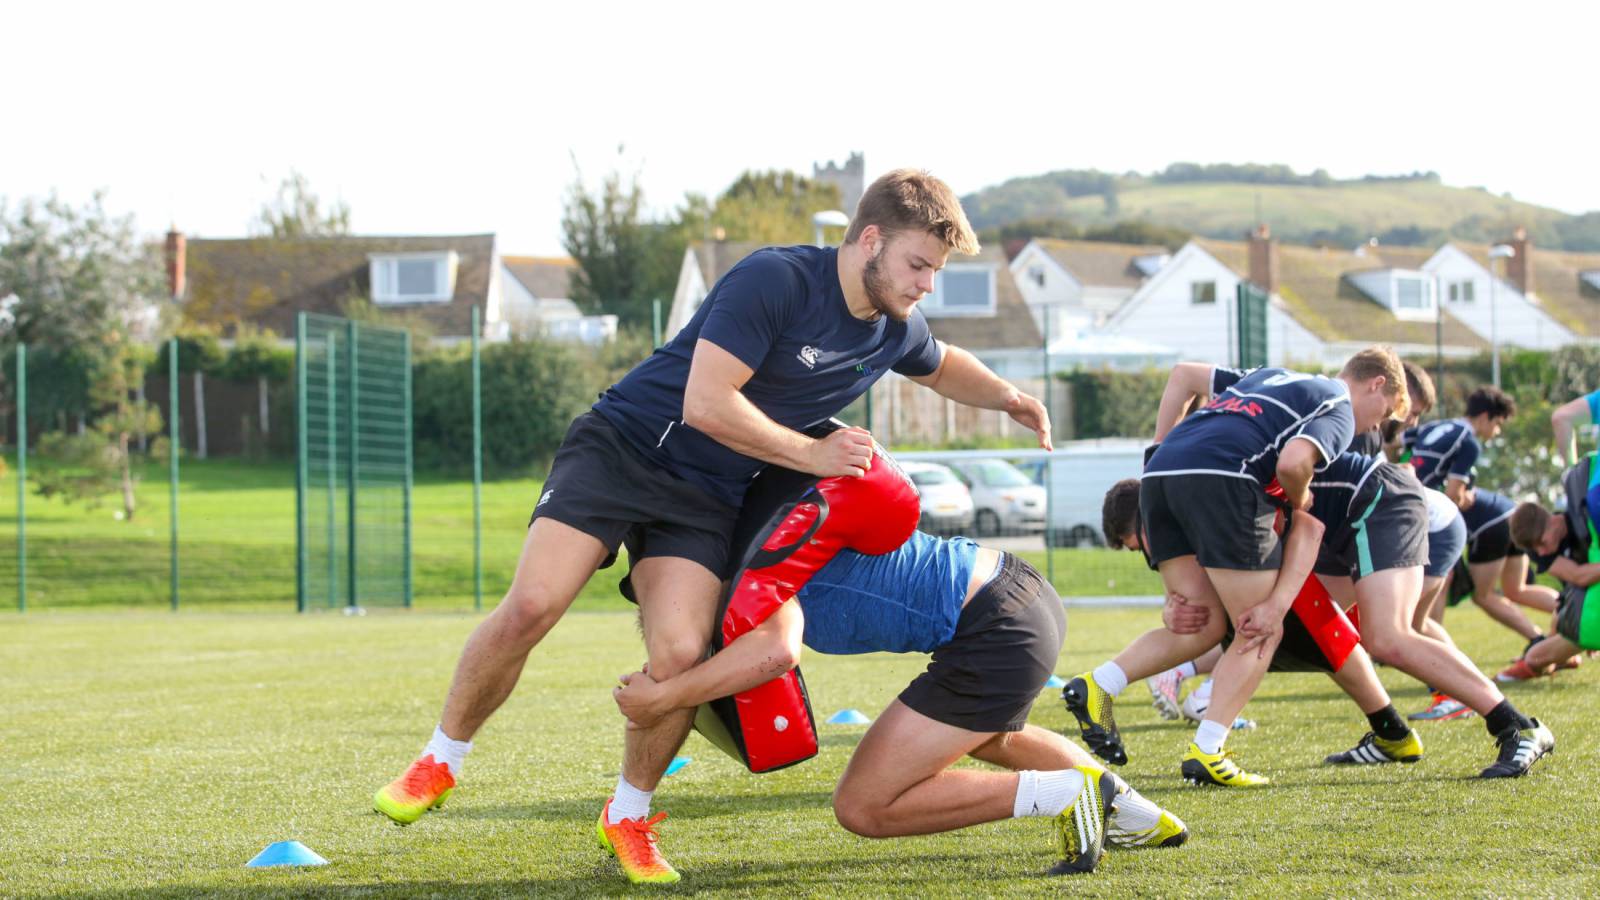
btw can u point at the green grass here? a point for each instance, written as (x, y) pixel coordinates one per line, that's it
(237, 545)
(151, 756)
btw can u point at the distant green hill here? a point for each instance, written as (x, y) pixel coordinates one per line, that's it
(1223, 201)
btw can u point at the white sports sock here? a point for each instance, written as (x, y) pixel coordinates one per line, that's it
(1045, 793)
(1186, 670)
(1111, 678)
(1203, 692)
(447, 750)
(1210, 736)
(1130, 811)
(628, 802)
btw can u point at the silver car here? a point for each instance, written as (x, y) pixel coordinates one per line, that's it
(946, 503)
(1005, 500)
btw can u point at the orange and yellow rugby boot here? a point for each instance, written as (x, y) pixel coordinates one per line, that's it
(424, 786)
(633, 843)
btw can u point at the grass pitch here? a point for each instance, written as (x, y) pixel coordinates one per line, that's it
(148, 755)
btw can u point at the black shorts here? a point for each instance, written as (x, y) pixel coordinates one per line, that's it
(1491, 542)
(1387, 528)
(1297, 649)
(601, 486)
(1005, 647)
(1223, 521)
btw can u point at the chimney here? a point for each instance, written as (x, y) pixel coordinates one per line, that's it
(1263, 259)
(1519, 268)
(177, 251)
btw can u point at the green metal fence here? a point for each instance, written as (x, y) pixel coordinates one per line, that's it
(353, 485)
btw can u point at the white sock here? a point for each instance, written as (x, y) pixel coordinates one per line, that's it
(1111, 678)
(451, 752)
(1045, 793)
(1210, 736)
(1130, 811)
(1186, 670)
(629, 802)
(1203, 692)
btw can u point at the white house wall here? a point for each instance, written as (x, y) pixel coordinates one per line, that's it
(686, 297)
(1290, 342)
(1517, 321)
(518, 306)
(1160, 312)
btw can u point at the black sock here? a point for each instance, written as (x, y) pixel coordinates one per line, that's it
(1504, 716)
(1387, 724)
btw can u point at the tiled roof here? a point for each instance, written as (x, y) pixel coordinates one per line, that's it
(1312, 283)
(1010, 327)
(1098, 263)
(266, 281)
(545, 277)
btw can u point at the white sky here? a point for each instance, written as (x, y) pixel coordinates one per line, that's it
(457, 117)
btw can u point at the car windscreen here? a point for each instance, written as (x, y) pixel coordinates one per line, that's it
(996, 473)
(931, 476)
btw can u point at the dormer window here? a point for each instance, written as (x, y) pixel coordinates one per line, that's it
(1203, 293)
(1150, 263)
(961, 289)
(1591, 279)
(413, 277)
(1411, 295)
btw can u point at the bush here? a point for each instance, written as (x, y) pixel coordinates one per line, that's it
(1115, 404)
(532, 390)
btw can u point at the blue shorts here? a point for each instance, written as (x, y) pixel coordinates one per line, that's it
(1444, 548)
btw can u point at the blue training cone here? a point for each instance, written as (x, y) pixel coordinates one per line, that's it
(849, 717)
(1055, 682)
(286, 853)
(678, 762)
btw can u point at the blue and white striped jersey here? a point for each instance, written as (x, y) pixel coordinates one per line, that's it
(1251, 417)
(1443, 450)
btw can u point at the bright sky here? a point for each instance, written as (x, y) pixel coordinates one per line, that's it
(465, 117)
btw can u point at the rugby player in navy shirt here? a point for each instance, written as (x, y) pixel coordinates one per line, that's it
(1445, 454)
(785, 340)
(1213, 531)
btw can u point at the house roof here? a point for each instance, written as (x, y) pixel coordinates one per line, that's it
(1099, 263)
(1557, 285)
(1312, 284)
(1010, 327)
(545, 277)
(266, 281)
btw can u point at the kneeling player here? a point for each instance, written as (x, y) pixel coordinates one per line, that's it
(995, 629)
(1566, 545)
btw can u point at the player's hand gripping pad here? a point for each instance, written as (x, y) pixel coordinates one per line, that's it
(771, 726)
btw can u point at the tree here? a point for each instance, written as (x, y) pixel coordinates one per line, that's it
(297, 212)
(85, 467)
(623, 259)
(772, 207)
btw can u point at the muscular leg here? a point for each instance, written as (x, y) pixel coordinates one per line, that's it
(1238, 674)
(1032, 748)
(677, 607)
(1423, 620)
(899, 780)
(1360, 681)
(1386, 599)
(1159, 649)
(556, 561)
(1502, 610)
(1551, 651)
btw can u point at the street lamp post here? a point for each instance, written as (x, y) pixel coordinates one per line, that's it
(828, 218)
(1498, 251)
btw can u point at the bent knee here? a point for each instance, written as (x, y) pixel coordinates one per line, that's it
(859, 818)
(531, 612)
(676, 654)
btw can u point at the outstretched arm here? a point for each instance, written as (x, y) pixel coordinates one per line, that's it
(754, 658)
(1562, 421)
(965, 379)
(1188, 381)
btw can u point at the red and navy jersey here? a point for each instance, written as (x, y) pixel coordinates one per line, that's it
(1251, 417)
(1443, 450)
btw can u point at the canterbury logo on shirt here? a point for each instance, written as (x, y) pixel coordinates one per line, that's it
(809, 356)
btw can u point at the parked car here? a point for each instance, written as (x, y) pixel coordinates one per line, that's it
(1004, 499)
(946, 503)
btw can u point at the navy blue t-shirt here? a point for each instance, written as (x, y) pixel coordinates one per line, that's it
(1487, 509)
(781, 311)
(907, 601)
(1250, 418)
(1442, 450)
(1334, 489)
